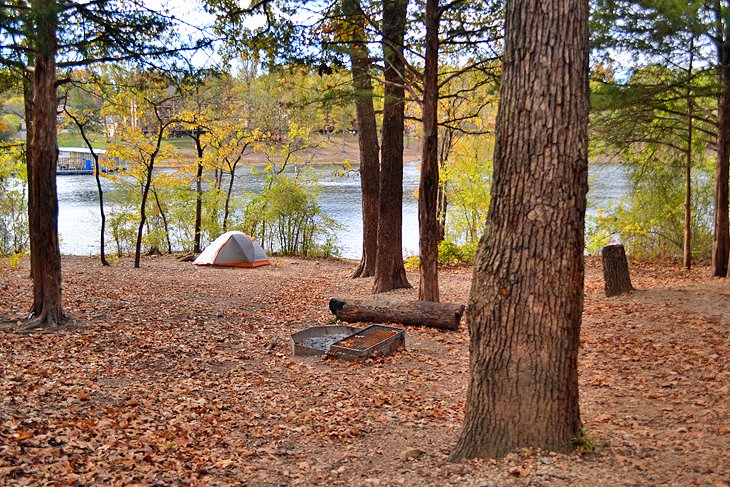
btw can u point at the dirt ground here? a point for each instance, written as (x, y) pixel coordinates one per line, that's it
(327, 150)
(167, 381)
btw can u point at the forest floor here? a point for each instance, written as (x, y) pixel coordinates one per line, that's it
(166, 380)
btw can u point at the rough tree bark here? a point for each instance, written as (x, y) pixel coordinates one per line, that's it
(721, 236)
(43, 155)
(616, 276)
(390, 273)
(445, 316)
(28, 108)
(721, 239)
(367, 136)
(524, 311)
(428, 229)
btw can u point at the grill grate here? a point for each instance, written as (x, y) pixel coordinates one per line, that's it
(373, 340)
(363, 340)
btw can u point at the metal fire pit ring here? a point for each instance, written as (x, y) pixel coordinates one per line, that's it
(318, 339)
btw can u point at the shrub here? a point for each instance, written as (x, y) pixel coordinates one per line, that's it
(468, 179)
(287, 219)
(14, 237)
(449, 254)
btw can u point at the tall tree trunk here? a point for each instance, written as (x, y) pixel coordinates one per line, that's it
(688, 196)
(198, 191)
(43, 151)
(721, 236)
(28, 108)
(102, 230)
(428, 229)
(367, 137)
(143, 215)
(164, 220)
(100, 191)
(229, 191)
(688, 172)
(526, 299)
(616, 277)
(146, 192)
(390, 272)
(446, 142)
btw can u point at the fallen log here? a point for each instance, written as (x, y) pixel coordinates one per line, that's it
(188, 257)
(445, 316)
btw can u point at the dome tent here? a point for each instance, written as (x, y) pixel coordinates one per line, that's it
(233, 249)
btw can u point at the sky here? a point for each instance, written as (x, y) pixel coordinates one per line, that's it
(192, 15)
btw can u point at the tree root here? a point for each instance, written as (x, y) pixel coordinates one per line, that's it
(399, 282)
(361, 272)
(45, 323)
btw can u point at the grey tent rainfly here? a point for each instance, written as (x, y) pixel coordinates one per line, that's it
(233, 249)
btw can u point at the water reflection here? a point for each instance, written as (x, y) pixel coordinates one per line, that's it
(79, 222)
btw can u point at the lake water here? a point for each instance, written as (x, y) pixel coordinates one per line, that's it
(79, 222)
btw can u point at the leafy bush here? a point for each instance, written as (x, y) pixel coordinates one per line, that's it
(122, 215)
(412, 262)
(14, 238)
(176, 196)
(449, 254)
(8, 125)
(170, 212)
(287, 219)
(468, 179)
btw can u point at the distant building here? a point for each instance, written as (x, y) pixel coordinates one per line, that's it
(78, 160)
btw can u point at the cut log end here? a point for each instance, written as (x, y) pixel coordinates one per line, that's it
(336, 305)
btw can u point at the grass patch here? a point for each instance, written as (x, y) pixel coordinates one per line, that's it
(583, 442)
(70, 139)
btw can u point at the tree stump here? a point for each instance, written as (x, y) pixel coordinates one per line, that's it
(615, 270)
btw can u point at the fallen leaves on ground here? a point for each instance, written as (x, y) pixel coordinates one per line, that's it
(167, 378)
